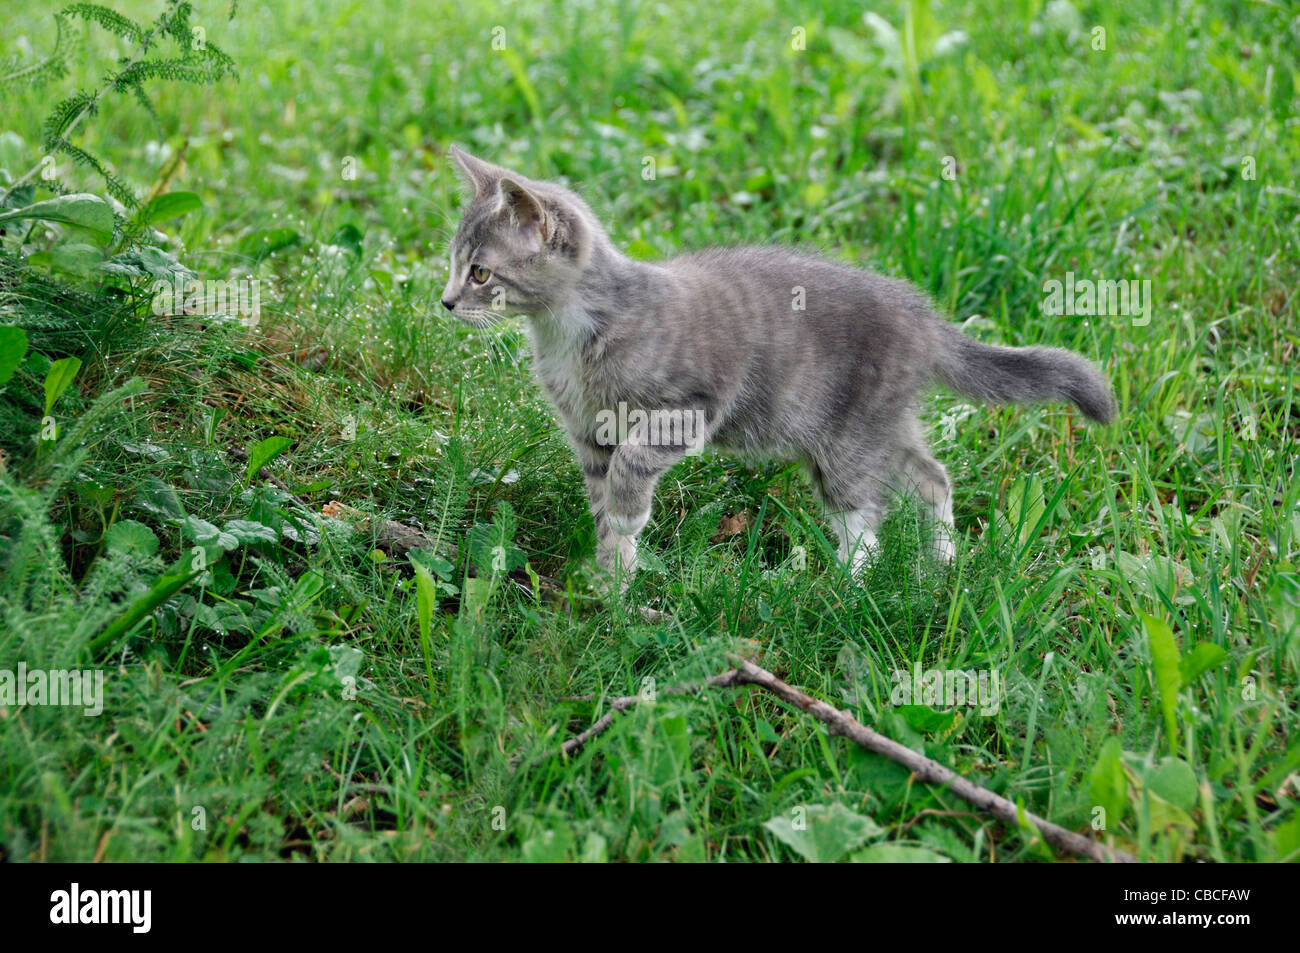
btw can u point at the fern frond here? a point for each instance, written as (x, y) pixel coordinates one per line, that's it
(176, 69)
(109, 20)
(54, 66)
(143, 99)
(116, 187)
(220, 59)
(35, 544)
(66, 113)
(72, 448)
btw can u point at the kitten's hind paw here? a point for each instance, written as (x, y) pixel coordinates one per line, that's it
(653, 616)
(945, 550)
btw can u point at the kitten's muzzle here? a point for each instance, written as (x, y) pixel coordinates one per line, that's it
(449, 304)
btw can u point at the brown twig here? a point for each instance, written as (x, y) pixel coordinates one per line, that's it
(617, 705)
(842, 723)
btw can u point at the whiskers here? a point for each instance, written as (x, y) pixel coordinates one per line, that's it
(500, 355)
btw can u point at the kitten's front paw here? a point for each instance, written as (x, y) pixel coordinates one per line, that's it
(616, 558)
(626, 525)
(608, 583)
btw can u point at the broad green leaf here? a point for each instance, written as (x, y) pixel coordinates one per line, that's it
(264, 452)
(251, 531)
(13, 348)
(671, 755)
(442, 568)
(166, 206)
(70, 258)
(675, 829)
(822, 833)
(478, 591)
(223, 581)
(1156, 576)
(1175, 781)
(1108, 784)
(1165, 668)
(129, 536)
(260, 245)
(925, 719)
(309, 585)
(1203, 657)
(205, 534)
(57, 379)
(211, 417)
(426, 592)
(1163, 814)
(148, 262)
(158, 498)
(1026, 505)
(95, 492)
(81, 209)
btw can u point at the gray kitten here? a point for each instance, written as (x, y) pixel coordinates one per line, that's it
(762, 351)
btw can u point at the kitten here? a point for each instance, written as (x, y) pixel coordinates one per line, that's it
(757, 350)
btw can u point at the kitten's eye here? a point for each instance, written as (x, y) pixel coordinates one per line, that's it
(479, 275)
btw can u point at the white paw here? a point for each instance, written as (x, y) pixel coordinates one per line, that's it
(862, 560)
(628, 525)
(618, 558)
(862, 555)
(653, 616)
(945, 550)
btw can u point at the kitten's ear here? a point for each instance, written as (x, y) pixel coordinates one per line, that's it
(526, 214)
(477, 175)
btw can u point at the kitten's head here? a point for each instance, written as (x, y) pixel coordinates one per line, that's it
(520, 248)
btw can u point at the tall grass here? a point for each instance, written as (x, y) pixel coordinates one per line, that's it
(283, 701)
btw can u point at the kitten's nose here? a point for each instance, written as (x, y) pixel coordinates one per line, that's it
(448, 304)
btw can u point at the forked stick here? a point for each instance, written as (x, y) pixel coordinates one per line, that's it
(842, 723)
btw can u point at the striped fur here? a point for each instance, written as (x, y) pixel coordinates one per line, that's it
(780, 353)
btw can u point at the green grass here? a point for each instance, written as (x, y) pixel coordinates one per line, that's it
(234, 697)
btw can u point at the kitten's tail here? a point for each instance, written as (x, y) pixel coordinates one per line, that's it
(1017, 375)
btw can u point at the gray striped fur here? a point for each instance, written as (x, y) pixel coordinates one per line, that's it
(720, 334)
